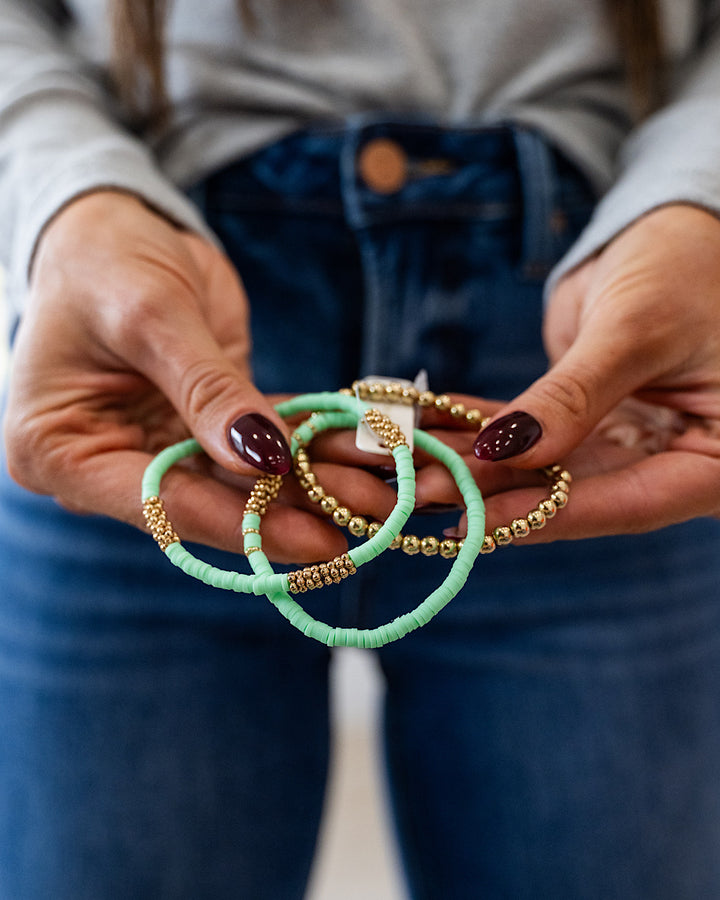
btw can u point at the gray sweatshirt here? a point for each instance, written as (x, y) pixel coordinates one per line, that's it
(549, 64)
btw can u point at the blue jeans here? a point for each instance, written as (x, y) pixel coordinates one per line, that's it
(554, 732)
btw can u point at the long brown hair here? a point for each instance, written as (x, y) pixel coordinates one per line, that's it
(137, 63)
(638, 32)
(138, 55)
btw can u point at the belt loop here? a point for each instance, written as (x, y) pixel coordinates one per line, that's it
(537, 177)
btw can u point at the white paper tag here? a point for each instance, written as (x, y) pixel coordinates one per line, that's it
(402, 414)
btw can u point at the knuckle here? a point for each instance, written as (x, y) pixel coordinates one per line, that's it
(206, 387)
(143, 321)
(23, 457)
(140, 313)
(568, 392)
(73, 505)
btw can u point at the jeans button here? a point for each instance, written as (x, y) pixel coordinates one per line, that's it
(383, 165)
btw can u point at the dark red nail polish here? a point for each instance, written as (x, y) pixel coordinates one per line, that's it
(508, 436)
(257, 441)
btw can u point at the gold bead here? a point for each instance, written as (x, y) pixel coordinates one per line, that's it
(426, 398)
(328, 504)
(559, 498)
(536, 519)
(396, 542)
(565, 476)
(502, 535)
(561, 485)
(429, 546)
(473, 417)
(373, 529)
(385, 428)
(158, 523)
(342, 515)
(410, 394)
(520, 528)
(357, 526)
(548, 508)
(458, 411)
(316, 493)
(346, 392)
(411, 544)
(375, 390)
(448, 548)
(488, 544)
(443, 403)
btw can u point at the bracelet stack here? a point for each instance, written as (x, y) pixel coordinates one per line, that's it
(343, 410)
(558, 478)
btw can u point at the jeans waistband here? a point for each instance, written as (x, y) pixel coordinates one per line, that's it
(374, 171)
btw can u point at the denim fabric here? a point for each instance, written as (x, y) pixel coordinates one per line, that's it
(554, 732)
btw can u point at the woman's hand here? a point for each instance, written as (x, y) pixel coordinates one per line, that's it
(634, 340)
(631, 403)
(136, 336)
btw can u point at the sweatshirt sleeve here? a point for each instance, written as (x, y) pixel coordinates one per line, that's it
(673, 157)
(58, 140)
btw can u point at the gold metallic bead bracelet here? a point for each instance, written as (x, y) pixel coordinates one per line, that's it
(391, 392)
(558, 477)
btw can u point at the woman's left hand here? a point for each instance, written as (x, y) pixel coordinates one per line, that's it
(633, 337)
(630, 404)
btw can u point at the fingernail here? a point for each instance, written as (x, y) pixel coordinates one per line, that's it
(508, 436)
(257, 441)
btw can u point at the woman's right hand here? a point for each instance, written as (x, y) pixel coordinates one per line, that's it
(135, 336)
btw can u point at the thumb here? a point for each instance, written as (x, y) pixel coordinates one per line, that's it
(554, 415)
(224, 411)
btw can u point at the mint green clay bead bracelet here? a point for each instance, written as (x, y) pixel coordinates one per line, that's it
(428, 608)
(265, 490)
(277, 587)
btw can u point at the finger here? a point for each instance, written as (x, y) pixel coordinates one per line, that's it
(431, 417)
(200, 508)
(338, 446)
(214, 396)
(654, 492)
(435, 485)
(355, 489)
(550, 418)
